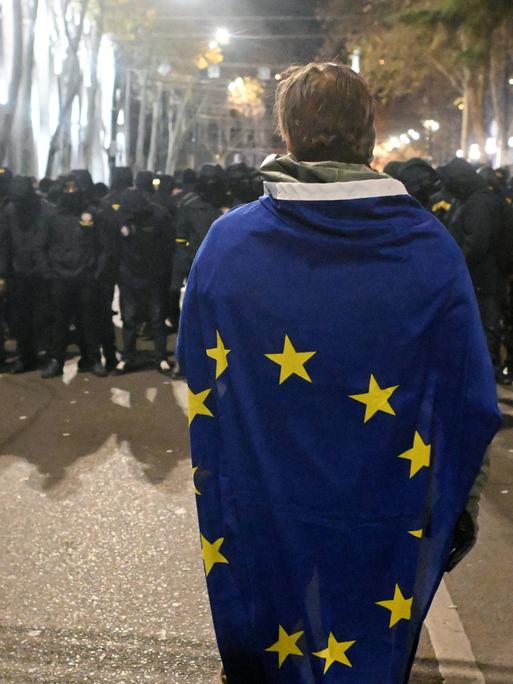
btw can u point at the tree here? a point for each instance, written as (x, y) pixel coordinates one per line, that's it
(463, 42)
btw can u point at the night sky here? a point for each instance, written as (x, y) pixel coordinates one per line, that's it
(253, 28)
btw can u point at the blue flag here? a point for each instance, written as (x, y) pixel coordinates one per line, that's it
(341, 400)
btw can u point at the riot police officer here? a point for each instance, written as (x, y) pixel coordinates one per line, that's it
(72, 258)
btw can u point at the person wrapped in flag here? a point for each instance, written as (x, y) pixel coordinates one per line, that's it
(341, 401)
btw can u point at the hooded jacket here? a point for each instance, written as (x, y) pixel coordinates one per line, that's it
(23, 218)
(475, 222)
(70, 246)
(144, 240)
(341, 400)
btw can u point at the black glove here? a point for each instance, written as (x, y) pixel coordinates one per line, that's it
(465, 537)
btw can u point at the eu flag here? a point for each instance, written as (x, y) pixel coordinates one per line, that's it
(341, 400)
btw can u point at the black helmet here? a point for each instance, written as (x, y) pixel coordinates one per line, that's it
(212, 185)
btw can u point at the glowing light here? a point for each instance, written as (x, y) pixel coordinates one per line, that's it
(121, 117)
(394, 142)
(278, 77)
(510, 142)
(223, 36)
(404, 139)
(264, 73)
(431, 125)
(356, 60)
(510, 81)
(164, 69)
(414, 135)
(491, 146)
(460, 154)
(474, 152)
(213, 45)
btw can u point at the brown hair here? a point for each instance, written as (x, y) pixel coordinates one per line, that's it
(325, 112)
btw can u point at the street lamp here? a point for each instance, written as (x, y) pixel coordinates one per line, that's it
(223, 36)
(431, 127)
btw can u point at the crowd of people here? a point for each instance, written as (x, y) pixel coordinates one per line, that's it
(66, 244)
(475, 203)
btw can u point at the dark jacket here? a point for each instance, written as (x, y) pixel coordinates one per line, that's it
(21, 231)
(194, 218)
(475, 222)
(71, 246)
(144, 240)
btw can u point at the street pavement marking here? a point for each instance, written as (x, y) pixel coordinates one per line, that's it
(70, 371)
(151, 394)
(450, 641)
(448, 637)
(180, 393)
(120, 397)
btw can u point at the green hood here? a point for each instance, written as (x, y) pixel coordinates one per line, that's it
(287, 169)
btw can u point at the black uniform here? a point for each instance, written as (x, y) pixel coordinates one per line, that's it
(196, 212)
(25, 218)
(475, 223)
(420, 179)
(144, 243)
(72, 258)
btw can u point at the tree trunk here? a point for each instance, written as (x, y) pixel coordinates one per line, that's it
(141, 127)
(155, 120)
(476, 88)
(23, 152)
(93, 117)
(128, 119)
(498, 85)
(177, 130)
(71, 81)
(15, 80)
(465, 115)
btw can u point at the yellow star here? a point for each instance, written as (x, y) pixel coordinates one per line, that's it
(220, 356)
(291, 361)
(211, 553)
(418, 534)
(399, 607)
(197, 405)
(335, 653)
(419, 455)
(376, 399)
(196, 490)
(286, 645)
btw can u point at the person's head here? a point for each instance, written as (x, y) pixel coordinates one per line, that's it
(144, 181)
(420, 179)
(23, 196)
(239, 183)
(212, 185)
(71, 195)
(325, 112)
(121, 178)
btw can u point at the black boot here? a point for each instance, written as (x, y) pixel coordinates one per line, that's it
(23, 366)
(99, 370)
(53, 370)
(165, 368)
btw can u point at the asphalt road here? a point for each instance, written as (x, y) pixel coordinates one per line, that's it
(100, 573)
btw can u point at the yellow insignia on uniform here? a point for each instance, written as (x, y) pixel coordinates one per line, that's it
(116, 207)
(442, 205)
(86, 220)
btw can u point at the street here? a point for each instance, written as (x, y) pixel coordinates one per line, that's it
(101, 578)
